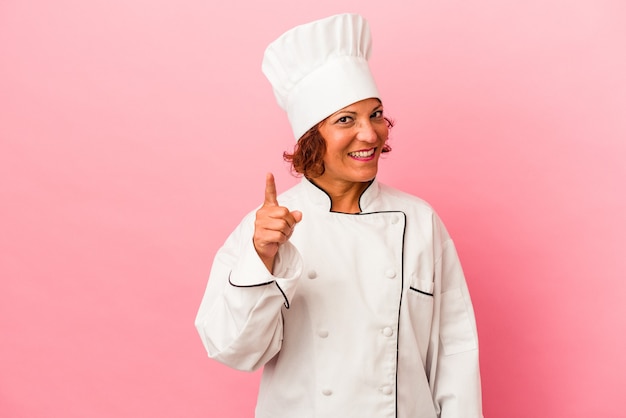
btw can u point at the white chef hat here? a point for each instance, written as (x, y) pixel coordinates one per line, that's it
(320, 67)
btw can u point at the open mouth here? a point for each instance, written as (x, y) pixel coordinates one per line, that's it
(362, 154)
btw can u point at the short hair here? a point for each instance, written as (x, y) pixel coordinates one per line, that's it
(307, 158)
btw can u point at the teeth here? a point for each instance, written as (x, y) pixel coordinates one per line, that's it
(362, 154)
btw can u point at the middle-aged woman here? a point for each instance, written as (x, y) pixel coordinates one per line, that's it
(349, 292)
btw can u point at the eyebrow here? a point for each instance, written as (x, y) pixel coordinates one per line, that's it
(380, 105)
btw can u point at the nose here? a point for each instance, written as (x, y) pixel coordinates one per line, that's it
(366, 132)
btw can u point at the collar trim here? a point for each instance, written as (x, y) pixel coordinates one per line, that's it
(322, 199)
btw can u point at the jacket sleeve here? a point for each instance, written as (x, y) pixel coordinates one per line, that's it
(456, 385)
(240, 317)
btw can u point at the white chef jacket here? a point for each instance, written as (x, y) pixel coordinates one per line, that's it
(365, 315)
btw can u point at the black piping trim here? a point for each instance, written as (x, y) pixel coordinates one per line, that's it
(331, 200)
(324, 191)
(252, 285)
(399, 311)
(421, 291)
(284, 296)
(262, 284)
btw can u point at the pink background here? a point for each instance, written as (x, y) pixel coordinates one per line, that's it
(134, 135)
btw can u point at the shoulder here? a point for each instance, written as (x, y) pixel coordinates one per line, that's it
(293, 197)
(419, 212)
(294, 192)
(404, 200)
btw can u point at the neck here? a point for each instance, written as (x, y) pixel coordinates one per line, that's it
(344, 197)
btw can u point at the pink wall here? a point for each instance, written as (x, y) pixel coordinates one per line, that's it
(135, 134)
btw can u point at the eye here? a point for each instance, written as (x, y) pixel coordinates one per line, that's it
(344, 119)
(377, 114)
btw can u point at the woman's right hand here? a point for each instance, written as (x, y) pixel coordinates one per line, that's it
(273, 226)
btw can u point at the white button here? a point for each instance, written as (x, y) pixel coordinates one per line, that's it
(394, 219)
(327, 392)
(386, 390)
(391, 273)
(322, 333)
(387, 332)
(312, 274)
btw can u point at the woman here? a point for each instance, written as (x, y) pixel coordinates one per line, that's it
(348, 292)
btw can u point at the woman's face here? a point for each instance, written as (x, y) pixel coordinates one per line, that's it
(354, 137)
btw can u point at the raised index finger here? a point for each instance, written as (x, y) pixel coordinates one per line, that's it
(270, 191)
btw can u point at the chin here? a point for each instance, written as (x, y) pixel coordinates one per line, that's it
(364, 178)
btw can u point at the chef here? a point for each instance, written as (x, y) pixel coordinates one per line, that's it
(347, 292)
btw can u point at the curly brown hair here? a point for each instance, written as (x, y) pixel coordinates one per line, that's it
(307, 158)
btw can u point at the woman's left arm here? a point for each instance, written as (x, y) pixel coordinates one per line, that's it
(457, 387)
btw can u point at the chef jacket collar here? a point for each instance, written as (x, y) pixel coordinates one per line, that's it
(321, 199)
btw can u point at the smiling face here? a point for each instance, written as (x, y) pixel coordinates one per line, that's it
(354, 137)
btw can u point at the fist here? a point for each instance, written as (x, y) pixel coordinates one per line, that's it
(273, 226)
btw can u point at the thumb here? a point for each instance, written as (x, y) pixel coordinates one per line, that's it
(297, 215)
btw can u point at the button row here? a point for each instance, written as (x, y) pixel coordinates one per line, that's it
(391, 273)
(386, 390)
(387, 332)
